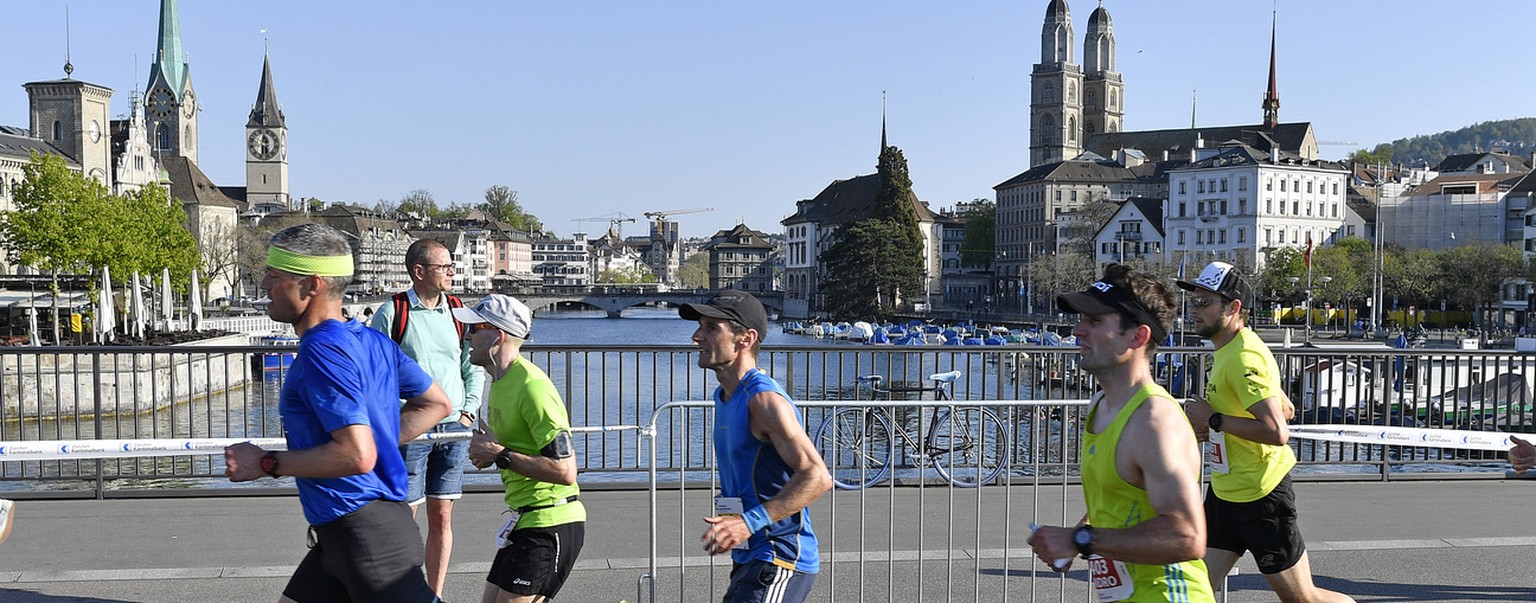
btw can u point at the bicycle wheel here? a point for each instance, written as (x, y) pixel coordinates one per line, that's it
(969, 446)
(856, 445)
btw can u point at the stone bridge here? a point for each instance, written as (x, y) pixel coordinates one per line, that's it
(615, 302)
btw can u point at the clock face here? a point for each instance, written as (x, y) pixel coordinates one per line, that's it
(263, 144)
(161, 102)
(189, 105)
(94, 131)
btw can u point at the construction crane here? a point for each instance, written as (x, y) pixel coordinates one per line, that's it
(614, 220)
(661, 216)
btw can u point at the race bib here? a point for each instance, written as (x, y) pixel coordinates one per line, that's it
(1216, 452)
(504, 535)
(1110, 578)
(731, 505)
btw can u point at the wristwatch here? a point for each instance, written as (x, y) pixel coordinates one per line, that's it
(1083, 538)
(504, 459)
(1215, 421)
(269, 463)
(464, 414)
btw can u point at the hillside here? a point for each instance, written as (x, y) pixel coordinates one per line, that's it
(1517, 136)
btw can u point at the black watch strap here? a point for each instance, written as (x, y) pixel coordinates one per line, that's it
(1083, 538)
(504, 459)
(1216, 421)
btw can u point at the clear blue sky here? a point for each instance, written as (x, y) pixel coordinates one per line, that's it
(588, 108)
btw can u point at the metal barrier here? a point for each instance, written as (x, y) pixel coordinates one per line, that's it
(926, 540)
(230, 391)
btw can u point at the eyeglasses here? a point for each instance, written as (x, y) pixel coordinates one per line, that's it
(1200, 303)
(446, 268)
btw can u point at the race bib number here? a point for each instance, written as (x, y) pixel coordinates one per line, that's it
(1111, 579)
(504, 535)
(1216, 452)
(731, 505)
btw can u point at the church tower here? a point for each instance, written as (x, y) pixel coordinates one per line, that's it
(1271, 104)
(266, 148)
(1056, 110)
(1103, 90)
(169, 102)
(73, 116)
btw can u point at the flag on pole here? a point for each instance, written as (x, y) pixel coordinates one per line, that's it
(1182, 260)
(1307, 257)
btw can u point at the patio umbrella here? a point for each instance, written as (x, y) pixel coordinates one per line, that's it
(140, 314)
(167, 313)
(32, 338)
(195, 315)
(106, 310)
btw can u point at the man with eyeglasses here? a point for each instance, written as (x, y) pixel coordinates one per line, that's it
(1250, 504)
(529, 440)
(343, 425)
(420, 320)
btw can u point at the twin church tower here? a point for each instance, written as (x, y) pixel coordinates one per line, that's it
(1069, 100)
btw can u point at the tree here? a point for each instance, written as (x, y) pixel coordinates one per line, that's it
(1479, 273)
(1083, 224)
(1382, 154)
(694, 273)
(860, 282)
(980, 236)
(61, 219)
(501, 205)
(626, 275)
(1410, 277)
(421, 203)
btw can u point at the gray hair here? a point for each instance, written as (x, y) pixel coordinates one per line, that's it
(319, 240)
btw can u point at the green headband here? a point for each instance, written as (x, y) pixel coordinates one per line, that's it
(306, 265)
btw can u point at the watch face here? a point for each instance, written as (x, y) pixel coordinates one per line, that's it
(161, 102)
(189, 105)
(263, 144)
(94, 130)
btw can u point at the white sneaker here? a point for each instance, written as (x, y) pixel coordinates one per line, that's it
(7, 512)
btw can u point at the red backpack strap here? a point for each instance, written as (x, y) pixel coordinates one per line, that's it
(454, 302)
(402, 315)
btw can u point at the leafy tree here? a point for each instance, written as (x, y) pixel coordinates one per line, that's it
(1410, 277)
(694, 273)
(501, 205)
(1479, 273)
(421, 203)
(1382, 154)
(61, 219)
(162, 239)
(869, 284)
(627, 275)
(980, 236)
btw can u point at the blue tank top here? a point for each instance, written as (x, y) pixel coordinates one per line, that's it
(750, 469)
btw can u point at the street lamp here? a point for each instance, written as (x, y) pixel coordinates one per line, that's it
(1293, 280)
(1321, 279)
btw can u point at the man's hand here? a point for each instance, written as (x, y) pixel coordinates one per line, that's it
(1054, 546)
(483, 449)
(242, 462)
(724, 533)
(1523, 455)
(1199, 412)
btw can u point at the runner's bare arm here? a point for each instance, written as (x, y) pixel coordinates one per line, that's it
(350, 452)
(1157, 452)
(422, 412)
(555, 465)
(773, 419)
(1268, 425)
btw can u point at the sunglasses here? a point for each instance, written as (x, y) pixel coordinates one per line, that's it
(447, 268)
(1200, 303)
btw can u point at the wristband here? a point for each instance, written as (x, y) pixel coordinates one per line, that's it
(504, 459)
(1215, 421)
(756, 518)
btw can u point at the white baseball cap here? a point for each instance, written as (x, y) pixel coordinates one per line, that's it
(500, 311)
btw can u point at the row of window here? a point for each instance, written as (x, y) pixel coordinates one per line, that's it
(1130, 247)
(1214, 185)
(1218, 207)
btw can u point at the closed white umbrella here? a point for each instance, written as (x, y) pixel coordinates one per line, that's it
(106, 311)
(140, 313)
(167, 313)
(32, 338)
(195, 315)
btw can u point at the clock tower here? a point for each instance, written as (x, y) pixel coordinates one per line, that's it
(266, 149)
(169, 102)
(73, 116)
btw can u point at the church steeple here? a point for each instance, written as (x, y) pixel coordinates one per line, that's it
(169, 59)
(266, 112)
(1272, 96)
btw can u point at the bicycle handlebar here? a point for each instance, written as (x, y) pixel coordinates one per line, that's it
(939, 379)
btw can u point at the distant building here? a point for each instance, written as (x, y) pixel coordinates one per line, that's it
(1457, 209)
(1134, 233)
(378, 244)
(739, 259)
(562, 261)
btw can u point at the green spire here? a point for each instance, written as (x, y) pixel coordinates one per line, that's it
(170, 61)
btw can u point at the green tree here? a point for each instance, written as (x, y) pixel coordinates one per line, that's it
(61, 221)
(501, 205)
(1409, 277)
(161, 238)
(1479, 273)
(980, 235)
(891, 227)
(694, 273)
(626, 276)
(1382, 154)
(421, 203)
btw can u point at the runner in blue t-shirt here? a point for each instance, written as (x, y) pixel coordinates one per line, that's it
(344, 423)
(769, 469)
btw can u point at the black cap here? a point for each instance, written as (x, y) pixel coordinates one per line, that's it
(1112, 296)
(739, 307)
(1222, 279)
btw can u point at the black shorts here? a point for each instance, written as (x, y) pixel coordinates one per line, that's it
(1266, 526)
(537, 561)
(371, 554)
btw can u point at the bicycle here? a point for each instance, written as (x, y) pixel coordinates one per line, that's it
(967, 446)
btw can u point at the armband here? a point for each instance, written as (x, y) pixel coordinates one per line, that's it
(559, 448)
(756, 518)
